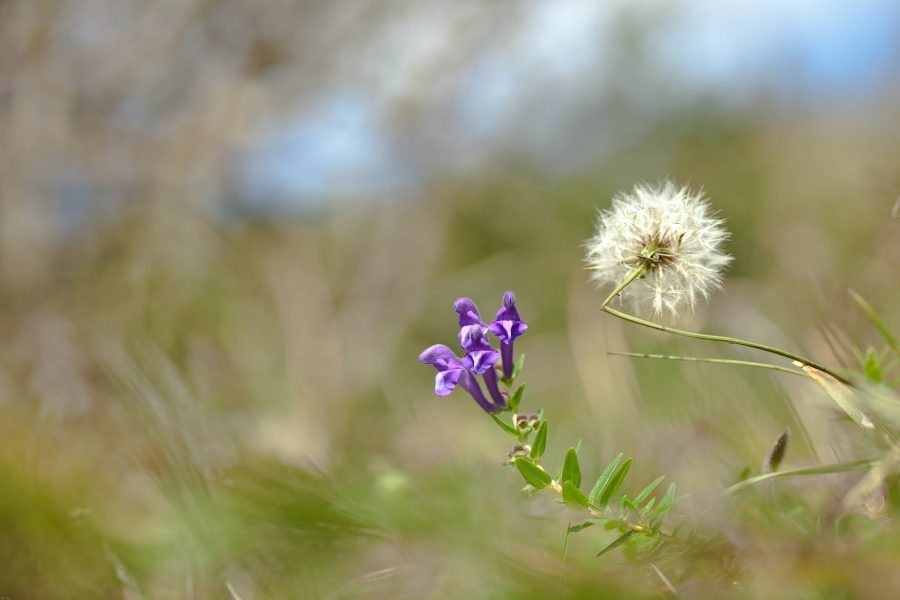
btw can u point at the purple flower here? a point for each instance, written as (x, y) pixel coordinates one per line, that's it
(479, 357)
(452, 372)
(508, 326)
(469, 319)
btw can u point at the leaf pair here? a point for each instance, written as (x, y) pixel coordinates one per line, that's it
(609, 482)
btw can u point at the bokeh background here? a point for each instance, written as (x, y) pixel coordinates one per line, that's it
(227, 229)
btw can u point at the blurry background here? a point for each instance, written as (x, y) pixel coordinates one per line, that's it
(227, 229)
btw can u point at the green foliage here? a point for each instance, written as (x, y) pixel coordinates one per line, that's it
(571, 471)
(872, 367)
(877, 321)
(506, 426)
(533, 474)
(518, 366)
(604, 478)
(647, 490)
(573, 497)
(516, 398)
(612, 486)
(540, 441)
(619, 541)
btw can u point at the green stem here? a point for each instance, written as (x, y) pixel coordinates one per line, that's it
(856, 465)
(714, 360)
(727, 340)
(637, 273)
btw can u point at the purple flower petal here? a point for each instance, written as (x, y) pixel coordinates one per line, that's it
(452, 372)
(508, 325)
(445, 381)
(479, 355)
(468, 312)
(468, 319)
(441, 357)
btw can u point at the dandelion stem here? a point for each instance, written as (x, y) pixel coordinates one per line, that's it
(635, 274)
(727, 340)
(714, 360)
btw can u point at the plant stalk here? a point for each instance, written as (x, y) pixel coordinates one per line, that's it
(700, 336)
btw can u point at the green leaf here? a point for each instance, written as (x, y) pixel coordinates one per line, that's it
(667, 497)
(612, 486)
(648, 506)
(871, 367)
(571, 471)
(665, 504)
(604, 477)
(540, 441)
(518, 366)
(533, 474)
(506, 426)
(876, 321)
(632, 508)
(586, 524)
(577, 446)
(573, 497)
(621, 540)
(516, 398)
(643, 495)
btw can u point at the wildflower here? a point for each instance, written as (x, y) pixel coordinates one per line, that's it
(452, 372)
(468, 318)
(479, 354)
(672, 235)
(480, 357)
(508, 326)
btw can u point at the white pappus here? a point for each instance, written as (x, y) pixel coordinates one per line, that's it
(670, 232)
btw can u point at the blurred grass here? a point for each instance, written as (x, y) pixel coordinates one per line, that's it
(249, 408)
(190, 404)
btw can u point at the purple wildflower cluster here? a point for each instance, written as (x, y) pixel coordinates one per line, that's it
(480, 358)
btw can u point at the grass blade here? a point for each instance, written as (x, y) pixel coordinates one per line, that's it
(841, 394)
(876, 321)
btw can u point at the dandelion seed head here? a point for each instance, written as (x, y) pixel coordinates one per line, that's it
(673, 233)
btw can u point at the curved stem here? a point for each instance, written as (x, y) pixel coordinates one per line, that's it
(723, 361)
(640, 270)
(637, 273)
(727, 340)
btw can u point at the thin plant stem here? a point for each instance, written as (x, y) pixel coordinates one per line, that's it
(714, 360)
(640, 270)
(727, 340)
(856, 465)
(635, 274)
